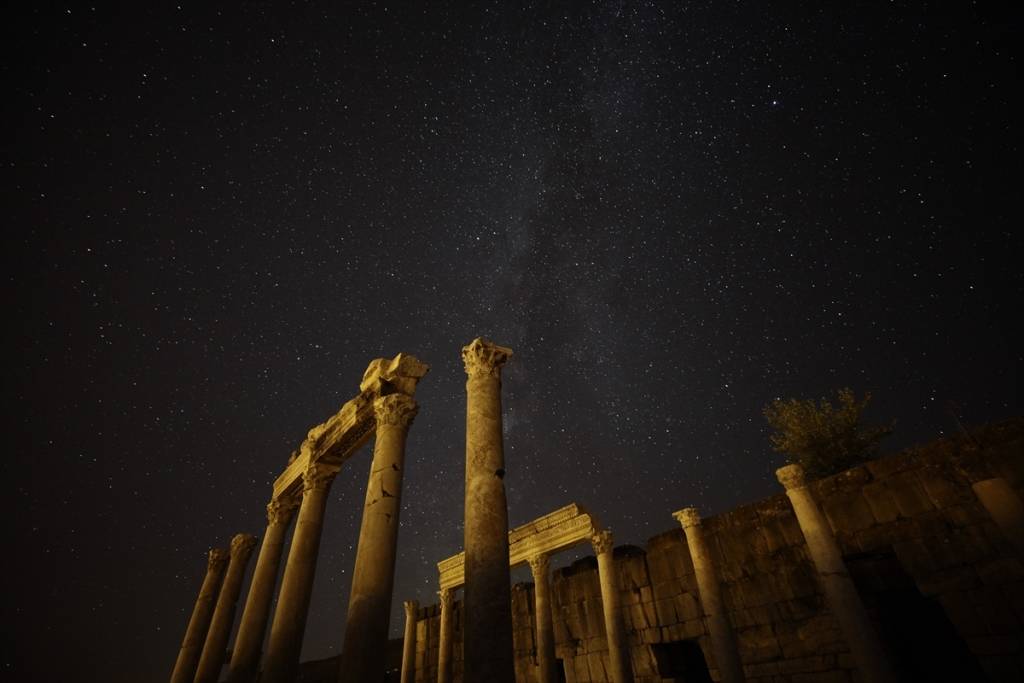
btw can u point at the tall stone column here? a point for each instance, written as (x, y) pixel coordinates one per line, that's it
(618, 645)
(245, 657)
(539, 565)
(285, 645)
(444, 644)
(1004, 505)
(369, 603)
(836, 583)
(723, 640)
(216, 646)
(199, 624)
(412, 608)
(487, 598)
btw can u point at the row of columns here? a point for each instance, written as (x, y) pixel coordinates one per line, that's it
(994, 494)
(547, 663)
(205, 645)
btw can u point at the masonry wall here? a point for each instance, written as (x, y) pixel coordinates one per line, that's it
(944, 586)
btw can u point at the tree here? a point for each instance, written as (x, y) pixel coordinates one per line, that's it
(824, 438)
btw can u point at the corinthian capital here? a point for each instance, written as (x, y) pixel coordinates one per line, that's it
(483, 358)
(446, 596)
(217, 559)
(242, 545)
(280, 510)
(395, 409)
(687, 517)
(539, 564)
(318, 476)
(411, 608)
(791, 477)
(602, 541)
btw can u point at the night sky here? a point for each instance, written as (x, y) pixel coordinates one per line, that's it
(672, 213)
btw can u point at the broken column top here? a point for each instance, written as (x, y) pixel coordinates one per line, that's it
(397, 375)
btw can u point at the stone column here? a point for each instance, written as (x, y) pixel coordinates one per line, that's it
(723, 640)
(216, 646)
(1004, 505)
(487, 597)
(412, 608)
(369, 603)
(836, 583)
(539, 565)
(285, 645)
(618, 645)
(444, 645)
(199, 624)
(245, 657)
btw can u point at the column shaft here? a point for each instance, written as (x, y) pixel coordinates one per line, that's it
(1005, 507)
(252, 628)
(215, 649)
(723, 639)
(285, 645)
(546, 661)
(444, 645)
(840, 592)
(199, 623)
(412, 609)
(369, 605)
(618, 646)
(487, 599)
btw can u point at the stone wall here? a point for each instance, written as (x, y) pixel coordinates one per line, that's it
(942, 583)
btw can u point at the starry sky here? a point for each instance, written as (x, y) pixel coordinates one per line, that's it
(217, 215)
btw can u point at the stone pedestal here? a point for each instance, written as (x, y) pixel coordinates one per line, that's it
(285, 645)
(546, 663)
(444, 645)
(369, 605)
(1004, 505)
(412, 608)
(723, 639)
(487, 598)
(216, 646)
(618, 646)
(202, 613)
(245, 656)
(840, 592)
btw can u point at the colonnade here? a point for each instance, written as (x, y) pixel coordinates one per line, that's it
(385, 407)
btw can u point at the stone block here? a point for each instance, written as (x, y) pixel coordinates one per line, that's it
(687, 607)
(758, 644)
(944, 488)
(909, 495)
(666, 612)
(848, 513)
(880, 501)
(947, 580)
(884, 468)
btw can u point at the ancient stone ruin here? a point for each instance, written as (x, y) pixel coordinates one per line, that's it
(906, 568)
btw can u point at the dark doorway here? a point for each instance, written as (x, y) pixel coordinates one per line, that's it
(681, 661)
(921, 641)
(560, 670)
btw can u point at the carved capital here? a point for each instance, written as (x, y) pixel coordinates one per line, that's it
(280, 510)
(791, 477)
(411, 608)
(602, 541)
(483, 358)
(687, 517)
(217, 559)
(242, 545)
(447, 597)
(318, 477)
(395, 409)
(539, 565)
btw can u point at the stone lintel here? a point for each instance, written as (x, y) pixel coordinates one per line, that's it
(341, 435)
(554, 532)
